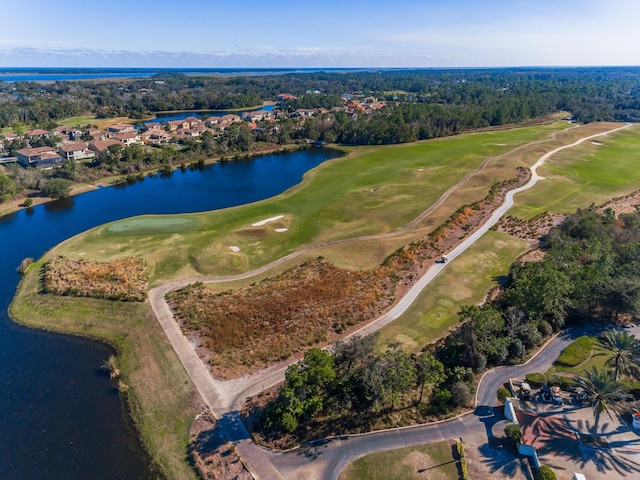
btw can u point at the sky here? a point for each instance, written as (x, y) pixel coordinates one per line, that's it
(322, 33)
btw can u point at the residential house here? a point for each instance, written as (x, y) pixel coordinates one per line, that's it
(76, 151)
(121, 128)
(156, 137)
(230, 118)
(154, 126)
(40, 157)
(99, 146)
(128, 138)
(284, 97)
(211, 121)
(97, 134)
(38, 132)
(256, 116)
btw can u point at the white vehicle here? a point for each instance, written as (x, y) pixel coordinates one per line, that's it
(578, 476)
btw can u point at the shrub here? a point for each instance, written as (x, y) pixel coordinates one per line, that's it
(536, 379)
(57, 188)
(513, 433)
(24, 265)
(545, 473)
(503, 394)
(27, 202)
(576, 352)
(460, 394)
(463, 460)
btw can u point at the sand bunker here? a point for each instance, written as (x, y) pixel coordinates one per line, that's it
(280, 230)
(595, 142)
(267, 220)
(234, 248)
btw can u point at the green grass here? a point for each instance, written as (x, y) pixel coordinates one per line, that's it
(370, 191)
(576, 352)
(434, 461)
(596, 357)
(465, 281)
(586, 174)
(79, 121)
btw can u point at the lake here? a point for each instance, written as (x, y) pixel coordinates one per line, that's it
(170, 116)
(60, 414)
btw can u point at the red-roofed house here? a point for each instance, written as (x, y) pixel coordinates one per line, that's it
(76, 151)
(128, 138)
(121, 128)
(40, 157)
(100, 146)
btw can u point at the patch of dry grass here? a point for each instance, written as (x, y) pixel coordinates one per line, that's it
(122, 279)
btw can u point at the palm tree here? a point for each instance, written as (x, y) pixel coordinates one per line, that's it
(604, 393)
(624, 349)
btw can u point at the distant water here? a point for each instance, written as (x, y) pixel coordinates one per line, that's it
(38, 74)
(169, 117)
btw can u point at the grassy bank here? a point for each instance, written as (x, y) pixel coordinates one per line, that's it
(145, 358)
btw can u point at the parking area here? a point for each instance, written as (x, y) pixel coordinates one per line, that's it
(557, 431)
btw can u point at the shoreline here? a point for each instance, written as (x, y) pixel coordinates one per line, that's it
(17, 204)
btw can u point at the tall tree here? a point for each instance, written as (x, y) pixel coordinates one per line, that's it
(624, 349)
(604, 394)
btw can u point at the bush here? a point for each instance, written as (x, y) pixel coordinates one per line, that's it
(57, 188)
(576, 352)
(545, 473)
(503, 394)
(460, 394)
(513, 433)
(27, 202)
(536, 379)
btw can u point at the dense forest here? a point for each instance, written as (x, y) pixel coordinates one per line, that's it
(459, 98)
(590, 274)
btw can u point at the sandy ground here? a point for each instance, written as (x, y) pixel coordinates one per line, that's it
(267, 220)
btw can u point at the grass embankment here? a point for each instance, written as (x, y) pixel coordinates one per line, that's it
(434, 461)
(592, 172)
(161, 397)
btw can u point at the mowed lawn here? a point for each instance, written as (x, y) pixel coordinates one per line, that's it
(465, 281)
(369, 191)
(434, 461)
(592, 172)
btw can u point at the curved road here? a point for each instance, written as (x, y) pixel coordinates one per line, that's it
(326, 458)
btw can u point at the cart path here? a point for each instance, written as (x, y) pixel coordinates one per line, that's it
(224, 397)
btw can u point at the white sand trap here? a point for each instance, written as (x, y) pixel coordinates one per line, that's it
(595, 142)
(280, 230)
(234, 248)
(267, 220)
(421, 169)
(501, 144)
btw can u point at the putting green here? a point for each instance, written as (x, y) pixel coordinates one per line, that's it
(151, 225)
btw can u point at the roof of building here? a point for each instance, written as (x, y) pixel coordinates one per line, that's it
(73, 147)
(35, 152)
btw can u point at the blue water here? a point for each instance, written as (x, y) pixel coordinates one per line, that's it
(168, 117)
(60, 417)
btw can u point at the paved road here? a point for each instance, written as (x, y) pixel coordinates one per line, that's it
(325, 459)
